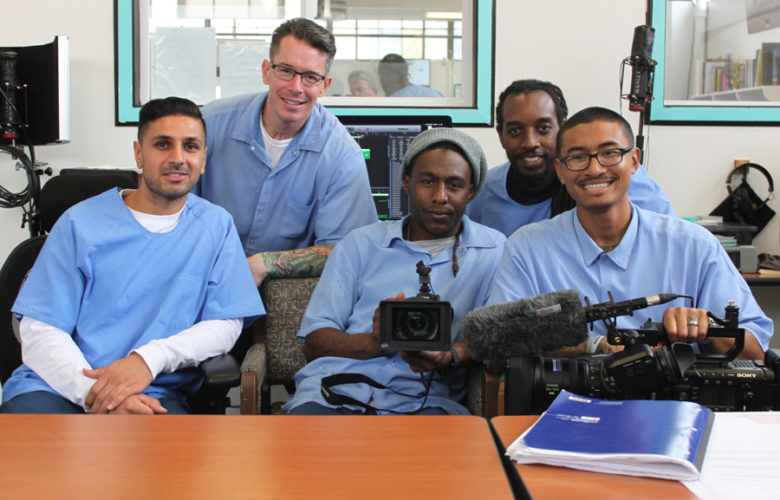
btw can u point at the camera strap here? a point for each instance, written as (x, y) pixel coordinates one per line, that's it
(339, 399)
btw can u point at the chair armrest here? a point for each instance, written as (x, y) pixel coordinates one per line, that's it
(484, 398)
(253, 374)
(221, 371)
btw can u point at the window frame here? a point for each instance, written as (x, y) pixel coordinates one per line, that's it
(691, 112)
(480, 113)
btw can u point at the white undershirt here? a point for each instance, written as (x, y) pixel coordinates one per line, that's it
(273, 147)
(435, 247)
(52, 354)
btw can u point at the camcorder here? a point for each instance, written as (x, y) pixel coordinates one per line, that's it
(420, 323)
(718, 381)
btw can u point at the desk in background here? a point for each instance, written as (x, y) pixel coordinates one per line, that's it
(97, 456)
(766, 290)
(546, 481)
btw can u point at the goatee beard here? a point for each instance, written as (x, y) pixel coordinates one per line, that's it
(534, 182)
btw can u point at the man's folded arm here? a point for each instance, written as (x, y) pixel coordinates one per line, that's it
(189, 347)
(52, 354)
(308, 261)
(333, 342)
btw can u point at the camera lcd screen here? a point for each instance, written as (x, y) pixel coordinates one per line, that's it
(717, 396)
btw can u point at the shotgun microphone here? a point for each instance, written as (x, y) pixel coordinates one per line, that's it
(542, 324)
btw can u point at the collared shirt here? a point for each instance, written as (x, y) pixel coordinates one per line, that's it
(375, 263)
(657, 254)
(114, 286)
(316, 194)
(494, 207)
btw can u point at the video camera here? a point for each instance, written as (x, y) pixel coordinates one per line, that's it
(718, 381)
(420, 323)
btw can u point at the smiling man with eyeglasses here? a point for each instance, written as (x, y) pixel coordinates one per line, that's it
(282, 165)
(525, 189)
(609, 244)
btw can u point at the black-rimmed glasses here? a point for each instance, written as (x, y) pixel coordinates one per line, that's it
(606, 158)
(309, 78)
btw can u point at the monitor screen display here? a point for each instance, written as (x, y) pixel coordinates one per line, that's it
(384, 141)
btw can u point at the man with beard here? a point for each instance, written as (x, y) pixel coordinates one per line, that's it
(442, 170)
(133, 288)
(285, 168)
(525, 189)
(608, 244)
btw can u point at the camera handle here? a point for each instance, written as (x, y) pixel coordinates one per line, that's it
(426, 291)
(652, 337)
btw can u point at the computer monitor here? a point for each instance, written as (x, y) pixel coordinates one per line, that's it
(36, 79)
(384, 141)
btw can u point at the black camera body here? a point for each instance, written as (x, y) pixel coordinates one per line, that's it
(420, 323)
(719, 382)
(416, 324)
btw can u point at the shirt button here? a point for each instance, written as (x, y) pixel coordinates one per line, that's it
(251, 148)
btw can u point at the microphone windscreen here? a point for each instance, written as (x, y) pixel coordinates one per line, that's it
(525, 327)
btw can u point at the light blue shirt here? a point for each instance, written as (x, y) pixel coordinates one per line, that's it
(117, 286)
(494, 208)
(416, 91)
(316, 194)
(658, 254)
(375, 263)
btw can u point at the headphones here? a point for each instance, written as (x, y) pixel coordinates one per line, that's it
(744, 169)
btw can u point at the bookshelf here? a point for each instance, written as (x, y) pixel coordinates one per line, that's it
(761, 93)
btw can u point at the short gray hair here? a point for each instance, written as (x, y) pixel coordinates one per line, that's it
(307, 31)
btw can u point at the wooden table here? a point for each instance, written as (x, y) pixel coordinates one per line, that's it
(546, 481)
(218, 457)
(756, 279)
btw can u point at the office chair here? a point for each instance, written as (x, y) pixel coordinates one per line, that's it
(277, 354)
(58, 194)
(12, 276)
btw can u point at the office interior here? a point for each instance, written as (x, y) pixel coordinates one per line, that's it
(577, 45)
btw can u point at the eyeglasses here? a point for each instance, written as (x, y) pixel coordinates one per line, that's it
(606, 158)
(309, 78)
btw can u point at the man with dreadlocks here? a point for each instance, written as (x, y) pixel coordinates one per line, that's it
(442, 171)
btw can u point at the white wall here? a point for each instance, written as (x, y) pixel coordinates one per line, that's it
(578, 45)
(95, 140)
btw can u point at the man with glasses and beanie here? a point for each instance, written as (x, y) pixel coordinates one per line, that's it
(285, 168)
(443, 169)
(609, 244)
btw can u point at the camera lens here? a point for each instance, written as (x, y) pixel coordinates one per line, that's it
(417, 325)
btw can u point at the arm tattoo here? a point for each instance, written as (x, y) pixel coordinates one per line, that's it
(301, 262)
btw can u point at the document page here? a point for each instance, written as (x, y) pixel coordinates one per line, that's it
(742, 459)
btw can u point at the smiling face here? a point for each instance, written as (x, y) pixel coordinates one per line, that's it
(439, 187)
(528, 137)
(290, 103)
(597, 188)
(172, 156)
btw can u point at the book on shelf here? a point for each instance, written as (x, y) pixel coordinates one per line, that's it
(663, 439)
